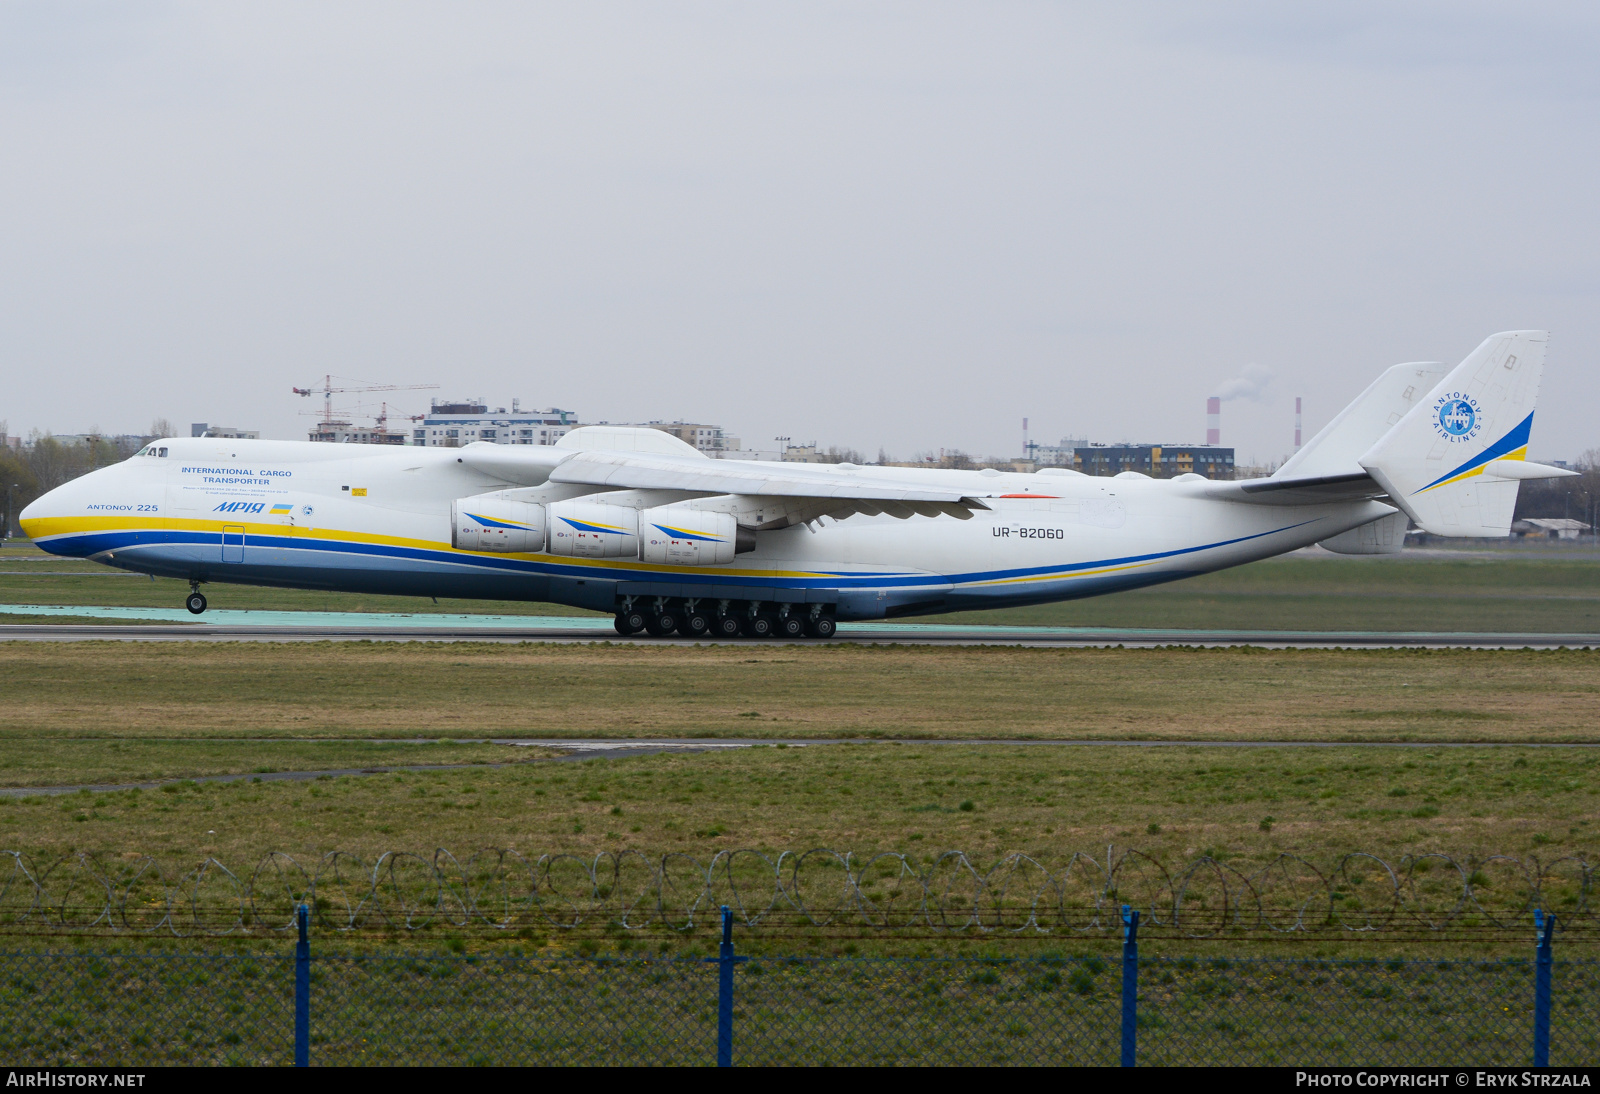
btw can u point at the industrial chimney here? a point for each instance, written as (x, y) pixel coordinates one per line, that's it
(1214, 420)
(1297, 423)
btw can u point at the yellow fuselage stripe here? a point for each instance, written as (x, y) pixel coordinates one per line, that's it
(46, 527)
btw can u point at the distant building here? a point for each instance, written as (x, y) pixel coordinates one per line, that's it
(128, 441)
(346, 433)
(1054, 455)
(713, 440)
(224, 432)
(452, 425)
(801, 453)
(1159, 461)
(1552, 527)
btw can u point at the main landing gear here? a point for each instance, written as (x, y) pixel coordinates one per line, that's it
(661, 616)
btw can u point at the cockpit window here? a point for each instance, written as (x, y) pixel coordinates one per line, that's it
(161, 452)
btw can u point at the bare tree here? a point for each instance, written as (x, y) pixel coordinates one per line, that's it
(1569, 497)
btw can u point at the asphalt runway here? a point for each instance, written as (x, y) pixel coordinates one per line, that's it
(919, 634)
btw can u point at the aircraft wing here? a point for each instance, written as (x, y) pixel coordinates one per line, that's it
(832, 490)
(1316, 490)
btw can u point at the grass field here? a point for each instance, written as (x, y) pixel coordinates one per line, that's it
(126, 712)
(1532, 590)
(100, 712)
(1176, 803)
(111, 691)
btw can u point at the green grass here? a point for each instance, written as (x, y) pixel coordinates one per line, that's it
(511, 1008)
(110, 690)
(1174, 804)
(1047, 802)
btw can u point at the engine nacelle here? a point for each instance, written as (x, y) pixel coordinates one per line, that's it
(591, 529)
(490, 523)
(682, 536)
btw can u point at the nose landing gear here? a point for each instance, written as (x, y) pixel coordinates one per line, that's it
(197, 601)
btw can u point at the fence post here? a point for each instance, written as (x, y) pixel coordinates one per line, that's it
(302, 989)
(1544, 925)
(1130, 985)
(725, 961)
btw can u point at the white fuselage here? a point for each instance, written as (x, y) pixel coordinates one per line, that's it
(378, 519)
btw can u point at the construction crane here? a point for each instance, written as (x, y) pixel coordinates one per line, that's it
(328, 391)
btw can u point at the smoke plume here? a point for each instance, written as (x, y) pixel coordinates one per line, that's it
(1251, 384)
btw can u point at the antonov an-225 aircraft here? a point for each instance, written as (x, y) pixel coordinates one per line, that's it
(635, 522)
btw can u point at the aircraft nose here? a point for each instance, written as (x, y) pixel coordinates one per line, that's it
(35, 510)
(38, 516)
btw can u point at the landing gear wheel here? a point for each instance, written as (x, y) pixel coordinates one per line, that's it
(791, 626)
(822, 626)
(726, 626)
(695, 624)
(196, 603)
(662, 625)
(630, 622)
(758, 626)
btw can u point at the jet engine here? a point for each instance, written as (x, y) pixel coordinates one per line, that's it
(488, 523)
(682, 536)
(592, 529)
(678, 535)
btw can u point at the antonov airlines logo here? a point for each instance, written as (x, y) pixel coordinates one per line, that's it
(240, 507)
(1457, 417)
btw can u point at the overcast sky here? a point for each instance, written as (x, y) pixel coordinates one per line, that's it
(867, 224)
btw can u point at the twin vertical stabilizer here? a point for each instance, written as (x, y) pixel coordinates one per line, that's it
(1454, 460)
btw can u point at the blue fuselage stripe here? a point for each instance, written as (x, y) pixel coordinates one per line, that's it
(92, 543)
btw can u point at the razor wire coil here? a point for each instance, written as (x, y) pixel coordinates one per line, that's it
(948, 893)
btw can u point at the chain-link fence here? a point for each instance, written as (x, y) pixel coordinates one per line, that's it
(103, 1010)
(449, 1008)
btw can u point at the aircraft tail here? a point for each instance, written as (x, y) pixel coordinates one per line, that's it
(1454, 460)
(1338, 448)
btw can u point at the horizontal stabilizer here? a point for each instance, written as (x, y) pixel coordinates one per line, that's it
(1522, 469)
(1313, 490)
